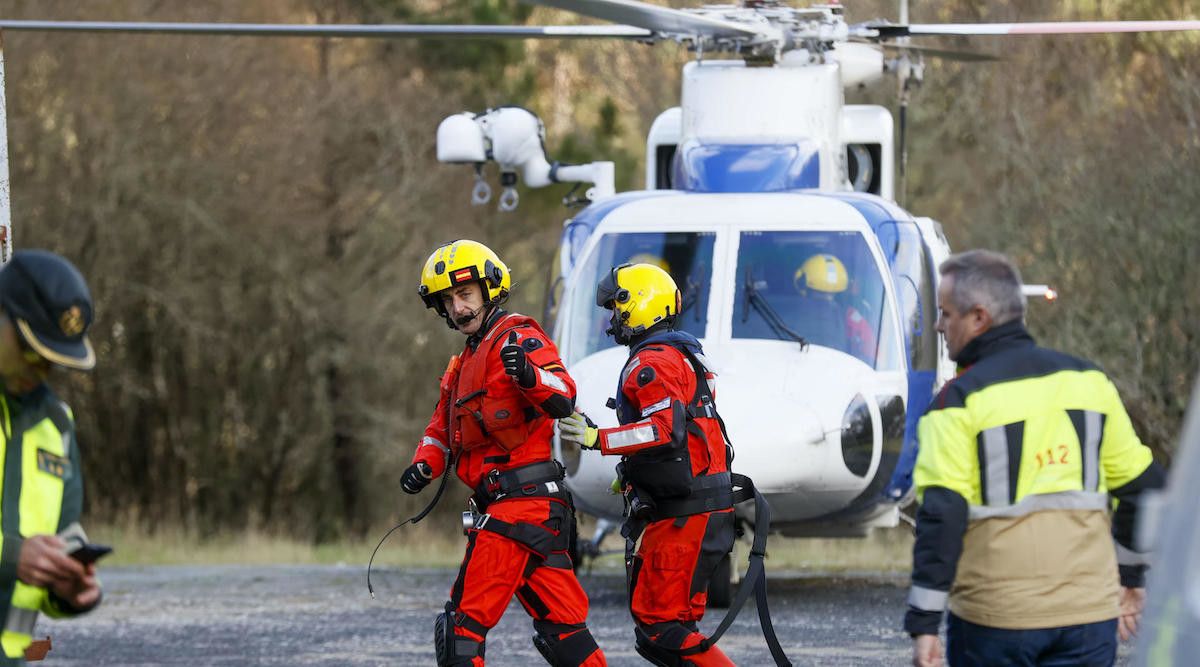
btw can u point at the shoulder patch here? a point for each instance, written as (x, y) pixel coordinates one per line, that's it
(530, 344)
(645, 376)
(58, 466)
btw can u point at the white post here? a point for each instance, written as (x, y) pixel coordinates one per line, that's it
(5, 198)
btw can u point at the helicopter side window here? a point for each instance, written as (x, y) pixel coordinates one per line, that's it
(913, 275)
(687, 256)
(822, 287)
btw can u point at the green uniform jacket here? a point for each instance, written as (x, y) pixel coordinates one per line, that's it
(41, 493)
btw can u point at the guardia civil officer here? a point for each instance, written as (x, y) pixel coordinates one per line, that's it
(493, 422)
(674, 470)
(1019, 457)
(45, 312)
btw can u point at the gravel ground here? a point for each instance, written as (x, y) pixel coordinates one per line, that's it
(322, 615)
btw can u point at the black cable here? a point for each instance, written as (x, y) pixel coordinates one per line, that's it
(413, 519)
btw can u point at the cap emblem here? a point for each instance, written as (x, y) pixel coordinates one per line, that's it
(71, 321)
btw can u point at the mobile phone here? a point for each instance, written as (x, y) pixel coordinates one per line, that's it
(90, 553)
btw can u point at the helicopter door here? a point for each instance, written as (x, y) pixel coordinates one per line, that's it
(912, 274)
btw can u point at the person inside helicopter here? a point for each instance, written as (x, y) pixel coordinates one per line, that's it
(829, 295)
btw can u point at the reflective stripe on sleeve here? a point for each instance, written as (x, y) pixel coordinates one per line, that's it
(927, 599)
(632, 364)
(429, 440)
(1129, 556)
(1063, 500)
(21, 620)
(639, 435)
(551, 380)
(657, 407)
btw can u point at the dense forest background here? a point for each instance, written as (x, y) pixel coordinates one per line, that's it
(253, 213)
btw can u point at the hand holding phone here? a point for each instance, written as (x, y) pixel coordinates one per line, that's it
(90, 553)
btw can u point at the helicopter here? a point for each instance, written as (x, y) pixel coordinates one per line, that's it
(811, 287)
(812, 290)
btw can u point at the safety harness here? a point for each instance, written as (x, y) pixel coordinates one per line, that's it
(536, 480)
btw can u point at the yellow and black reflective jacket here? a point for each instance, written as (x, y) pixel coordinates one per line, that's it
(1018, 456)
(41, 493)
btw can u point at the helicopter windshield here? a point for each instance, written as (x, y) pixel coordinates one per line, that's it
(822, 286)
(687, 256)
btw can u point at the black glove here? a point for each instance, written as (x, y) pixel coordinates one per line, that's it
(416, 477)
(515, 363)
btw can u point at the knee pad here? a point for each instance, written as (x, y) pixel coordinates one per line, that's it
(664, 651)
(655, 655)
(569, 651)
(453, 650)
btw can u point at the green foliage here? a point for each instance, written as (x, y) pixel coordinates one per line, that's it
(480, 65)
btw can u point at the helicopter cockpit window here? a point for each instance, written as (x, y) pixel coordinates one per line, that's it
(687, 256)
(701, 167)
(824, 287)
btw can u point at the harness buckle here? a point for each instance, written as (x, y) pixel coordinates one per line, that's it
(493, 481)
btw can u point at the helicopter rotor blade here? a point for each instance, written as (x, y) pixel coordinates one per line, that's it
(886, 30)
(653, 17)
(946, 54)
(317, 30)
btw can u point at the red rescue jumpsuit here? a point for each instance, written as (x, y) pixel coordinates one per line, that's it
(669, 574)
(494, 425)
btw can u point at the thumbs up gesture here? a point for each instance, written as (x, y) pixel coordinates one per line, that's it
(515, 364)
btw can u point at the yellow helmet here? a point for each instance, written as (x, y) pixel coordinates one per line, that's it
(463, 262)
(649, 258)
(640, 296)
(823, 273)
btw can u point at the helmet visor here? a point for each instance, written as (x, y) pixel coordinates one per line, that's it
(608, 290)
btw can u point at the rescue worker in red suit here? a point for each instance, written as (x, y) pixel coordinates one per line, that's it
(674, 468)
(493, 422)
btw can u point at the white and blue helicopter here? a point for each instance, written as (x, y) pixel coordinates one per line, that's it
(773, 205)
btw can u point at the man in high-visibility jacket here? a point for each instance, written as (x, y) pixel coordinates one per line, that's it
(45, 312)
(1018, 458)
(493, 423)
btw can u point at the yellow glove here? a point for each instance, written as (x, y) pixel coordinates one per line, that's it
(578, 429)
(615, 487)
